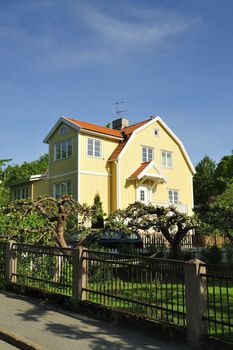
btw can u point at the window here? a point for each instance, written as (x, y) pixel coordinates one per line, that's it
(173, 196)
(62, 188)
(21, 193)
(147, 154)
(156, 132)
(63, 131)
(142, 195)
(94, 148)
(63, 149)
(166, 159)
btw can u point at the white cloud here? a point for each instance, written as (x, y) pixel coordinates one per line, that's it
(109, 36)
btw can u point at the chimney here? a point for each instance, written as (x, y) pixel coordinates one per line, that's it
(120, 123)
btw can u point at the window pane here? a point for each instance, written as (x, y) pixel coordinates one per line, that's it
(97, 153)
(63, 188)
(69, 187)
(57, 191)
(57, 151)
(26, 192)
(142, 195)
(63, 149)
(69, 148)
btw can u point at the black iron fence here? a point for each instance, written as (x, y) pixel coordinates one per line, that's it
(153, 288)
(45, 268)
(219, 316)
(158, 289)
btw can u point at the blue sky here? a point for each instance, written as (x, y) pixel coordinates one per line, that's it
(172, 58)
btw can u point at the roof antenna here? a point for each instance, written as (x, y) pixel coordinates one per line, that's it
(118, 111)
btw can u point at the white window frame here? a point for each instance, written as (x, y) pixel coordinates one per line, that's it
(63, 146)
(62, 188)
(147, 194)
(92, 153)
(173, 196)
(166, 163)
(146, 149)
(21, 193)
(156, 132)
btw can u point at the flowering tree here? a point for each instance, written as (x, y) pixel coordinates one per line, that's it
(172, 224)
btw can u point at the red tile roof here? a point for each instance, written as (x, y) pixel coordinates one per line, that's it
(139, 170)
(96, 128)
(127, 132)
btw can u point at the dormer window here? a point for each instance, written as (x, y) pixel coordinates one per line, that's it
(63, 131)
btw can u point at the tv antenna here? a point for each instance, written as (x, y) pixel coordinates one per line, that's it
(118, 110)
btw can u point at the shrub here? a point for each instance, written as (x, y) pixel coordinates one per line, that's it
(212, 255)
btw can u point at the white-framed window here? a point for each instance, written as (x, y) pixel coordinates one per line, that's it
(173, 196)
(167, 159)
(63, 149)
(62, 188)
(147, 154)
(156, 132)
(143, 194)
(63, 130)
(21, 193)
(94, 148)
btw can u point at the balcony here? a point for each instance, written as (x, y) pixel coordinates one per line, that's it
(182, 208)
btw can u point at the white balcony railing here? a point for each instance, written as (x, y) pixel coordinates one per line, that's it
(183, 208)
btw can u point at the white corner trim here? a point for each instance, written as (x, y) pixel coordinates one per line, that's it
(78, 167)
(118, 189)
(87, 172)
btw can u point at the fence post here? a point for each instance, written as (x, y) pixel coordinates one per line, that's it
(196, 300)
(11, 263)
(79, 275)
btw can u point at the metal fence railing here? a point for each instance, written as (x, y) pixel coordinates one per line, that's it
(153, 288)
(2, 262)
(219, 317)
(45, 268)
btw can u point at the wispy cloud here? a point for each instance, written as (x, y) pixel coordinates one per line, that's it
(58, 40)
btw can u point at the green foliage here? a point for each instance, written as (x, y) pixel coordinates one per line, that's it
(18, 172)
(203, 181)
(42, 221)
(212, 255)
(219, 213)
(229, 253)
(98, 218)
(224, 174)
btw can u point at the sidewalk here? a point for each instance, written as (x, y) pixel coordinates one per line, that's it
(41, 327)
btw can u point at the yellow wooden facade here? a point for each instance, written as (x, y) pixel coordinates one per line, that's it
(72, 168)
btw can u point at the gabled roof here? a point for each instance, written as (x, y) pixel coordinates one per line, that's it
(148, 170)
(138, 171)
(95, 128)
(84, 126)
(127, 132)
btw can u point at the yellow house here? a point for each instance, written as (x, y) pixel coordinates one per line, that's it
(126, 163)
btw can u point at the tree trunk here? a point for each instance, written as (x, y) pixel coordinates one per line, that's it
(60, 233)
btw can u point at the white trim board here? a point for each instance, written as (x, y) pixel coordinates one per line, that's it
(94, 173)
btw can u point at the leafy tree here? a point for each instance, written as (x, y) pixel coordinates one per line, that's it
(4, 192)
(171, 223)
(219, 213)
(204, 180)
(98, 213)
(17, 172)
(224, 174)
(42, 221)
